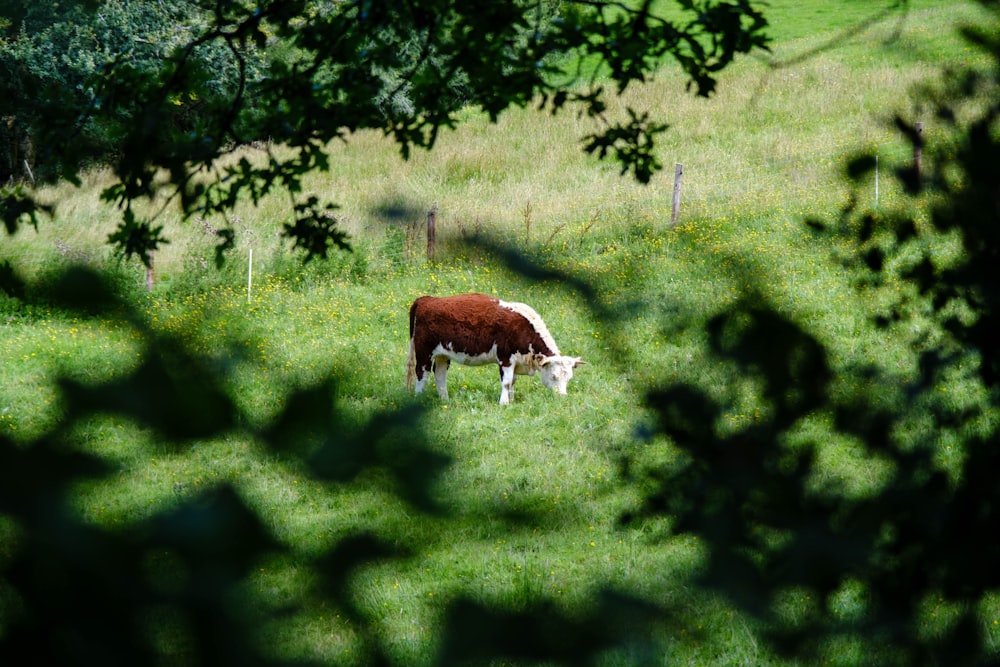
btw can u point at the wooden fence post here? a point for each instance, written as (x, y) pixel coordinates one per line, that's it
(431, 233)
(676, 205)
(918, 149)
(150, 274)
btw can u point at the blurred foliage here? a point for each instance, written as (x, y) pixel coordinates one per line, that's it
(75, 593)
(176, 586)
(926, 536)
(169, 88)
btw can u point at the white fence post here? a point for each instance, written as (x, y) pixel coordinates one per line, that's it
(249, 275)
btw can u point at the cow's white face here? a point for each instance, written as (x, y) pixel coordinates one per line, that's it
(555, 372)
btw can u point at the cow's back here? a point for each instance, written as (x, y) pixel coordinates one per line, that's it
(464, 320)
(474, 323)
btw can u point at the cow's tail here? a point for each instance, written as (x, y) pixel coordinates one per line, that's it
(411, 360)
(411, 368)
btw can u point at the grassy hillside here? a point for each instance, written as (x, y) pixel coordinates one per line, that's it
(759, 157)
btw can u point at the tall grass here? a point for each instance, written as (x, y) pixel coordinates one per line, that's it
(759, 156)
(777, 121)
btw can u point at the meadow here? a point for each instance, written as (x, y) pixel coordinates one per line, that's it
(761, 156)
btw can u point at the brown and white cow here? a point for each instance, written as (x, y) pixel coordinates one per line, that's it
(476, 329)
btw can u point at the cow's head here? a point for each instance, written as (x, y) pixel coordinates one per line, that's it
(556, 371)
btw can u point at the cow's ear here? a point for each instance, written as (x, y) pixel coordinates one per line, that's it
(579, 362)
(541, 360)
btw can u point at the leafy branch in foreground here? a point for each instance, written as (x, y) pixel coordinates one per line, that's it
(903, 572)
(18, 206)
(180, 583)
(301, 74)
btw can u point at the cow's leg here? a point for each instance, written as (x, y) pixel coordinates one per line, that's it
(441, 375)
(506, 383)
(422, 374)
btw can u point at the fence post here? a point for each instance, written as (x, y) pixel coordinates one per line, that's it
(431, 233)
(249, 274)
(150, 274)
(676, 205)
(918, 149)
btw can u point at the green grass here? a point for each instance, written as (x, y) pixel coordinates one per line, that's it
(759, 156)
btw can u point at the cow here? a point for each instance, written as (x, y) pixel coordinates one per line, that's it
(476, 329)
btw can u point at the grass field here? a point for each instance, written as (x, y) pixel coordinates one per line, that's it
(759, 157)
